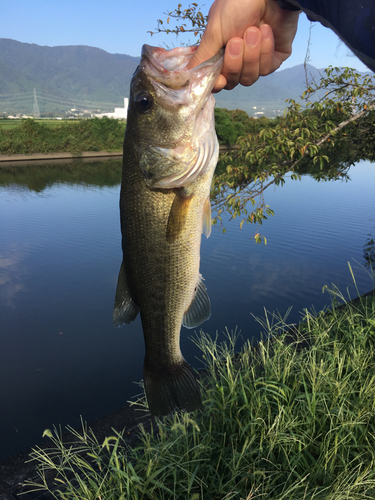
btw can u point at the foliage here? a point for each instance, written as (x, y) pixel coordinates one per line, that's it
(333, 132)
(96, 134)
(292, 418)
(336, 130)
(192, 15)
(227, 129)
(232, 124)
(32, 136)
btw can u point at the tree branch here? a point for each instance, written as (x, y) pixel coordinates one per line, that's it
(344, 123)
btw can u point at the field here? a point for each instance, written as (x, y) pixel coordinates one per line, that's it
(6, 124)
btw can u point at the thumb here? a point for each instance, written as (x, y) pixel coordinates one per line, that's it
(206, 49)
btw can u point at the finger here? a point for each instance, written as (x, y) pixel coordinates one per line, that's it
(203, 53)
(250, 68)
(268, 62)
(220, 84)
(233, 60)
(211, 41)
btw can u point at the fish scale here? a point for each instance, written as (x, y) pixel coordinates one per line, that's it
(161, 227)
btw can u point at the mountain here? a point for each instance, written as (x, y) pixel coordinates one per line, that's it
(81, 76)
(269, 93)
(76, 72)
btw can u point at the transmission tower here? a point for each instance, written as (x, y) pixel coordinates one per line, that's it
(36, 112)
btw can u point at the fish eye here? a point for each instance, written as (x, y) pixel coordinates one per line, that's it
(143, 102)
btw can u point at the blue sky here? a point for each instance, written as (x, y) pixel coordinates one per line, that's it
(120, 26)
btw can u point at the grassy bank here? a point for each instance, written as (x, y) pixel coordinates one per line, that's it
(31, 136)
(293, 418)
(53, 136)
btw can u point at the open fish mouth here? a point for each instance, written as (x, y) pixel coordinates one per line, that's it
(187, 154)
(168, 67)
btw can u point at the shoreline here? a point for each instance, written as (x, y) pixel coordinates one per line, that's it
(16, 159)
(37, 157)
(15, 470)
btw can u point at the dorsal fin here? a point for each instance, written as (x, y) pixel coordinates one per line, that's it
(125, 310)
(206, 227)
(178, 214)
(200, 307)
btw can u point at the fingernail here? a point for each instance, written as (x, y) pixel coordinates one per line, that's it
(235, 48)
(251, 38)
(266, 31)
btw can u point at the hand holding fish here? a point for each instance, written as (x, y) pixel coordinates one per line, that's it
(257, 36)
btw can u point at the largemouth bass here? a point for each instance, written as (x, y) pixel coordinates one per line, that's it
(170, 154)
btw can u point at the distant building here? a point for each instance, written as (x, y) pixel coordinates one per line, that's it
(119, 113)
(19, 116)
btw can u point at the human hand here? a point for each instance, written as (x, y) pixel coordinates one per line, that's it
(257, 36)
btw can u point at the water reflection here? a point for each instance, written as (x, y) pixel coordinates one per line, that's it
(369, 251)
(11, 275)
(38, 177)
(60, 252)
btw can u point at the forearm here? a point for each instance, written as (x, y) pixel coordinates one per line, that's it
(352, 21)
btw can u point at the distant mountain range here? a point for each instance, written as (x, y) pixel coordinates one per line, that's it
(81, 76)
(80, 73)
(268, 94)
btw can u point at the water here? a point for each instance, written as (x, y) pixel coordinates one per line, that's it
(60, 253)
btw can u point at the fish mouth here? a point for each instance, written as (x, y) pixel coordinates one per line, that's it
(178, 162)
(168, 67)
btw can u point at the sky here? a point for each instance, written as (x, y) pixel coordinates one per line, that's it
(121, 26)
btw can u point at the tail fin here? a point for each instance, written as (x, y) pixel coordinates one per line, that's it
(171, 389)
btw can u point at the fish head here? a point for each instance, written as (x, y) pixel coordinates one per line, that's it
(171, 115)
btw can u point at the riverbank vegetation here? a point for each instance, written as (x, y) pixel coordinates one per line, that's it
(52, 136)
(292, 418)
(332, 133)
(31, 136)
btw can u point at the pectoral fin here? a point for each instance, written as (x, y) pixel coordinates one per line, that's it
(178, 214)
(206, 228)
(200, 307)
(125, 310)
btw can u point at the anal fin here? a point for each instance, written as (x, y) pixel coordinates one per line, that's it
(200, 307)
(125, 310)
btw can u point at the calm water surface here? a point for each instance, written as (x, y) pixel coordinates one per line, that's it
(60, 253)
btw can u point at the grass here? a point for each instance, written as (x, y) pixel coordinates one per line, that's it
(292, 418)
(7, 124)
(31, 136)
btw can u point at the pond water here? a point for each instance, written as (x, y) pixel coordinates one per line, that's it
(60, 253)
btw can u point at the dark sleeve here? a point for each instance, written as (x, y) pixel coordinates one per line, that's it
(352, 20)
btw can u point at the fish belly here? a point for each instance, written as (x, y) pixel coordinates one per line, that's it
(162, 272)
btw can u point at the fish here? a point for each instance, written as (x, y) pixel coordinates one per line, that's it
(170, 154)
